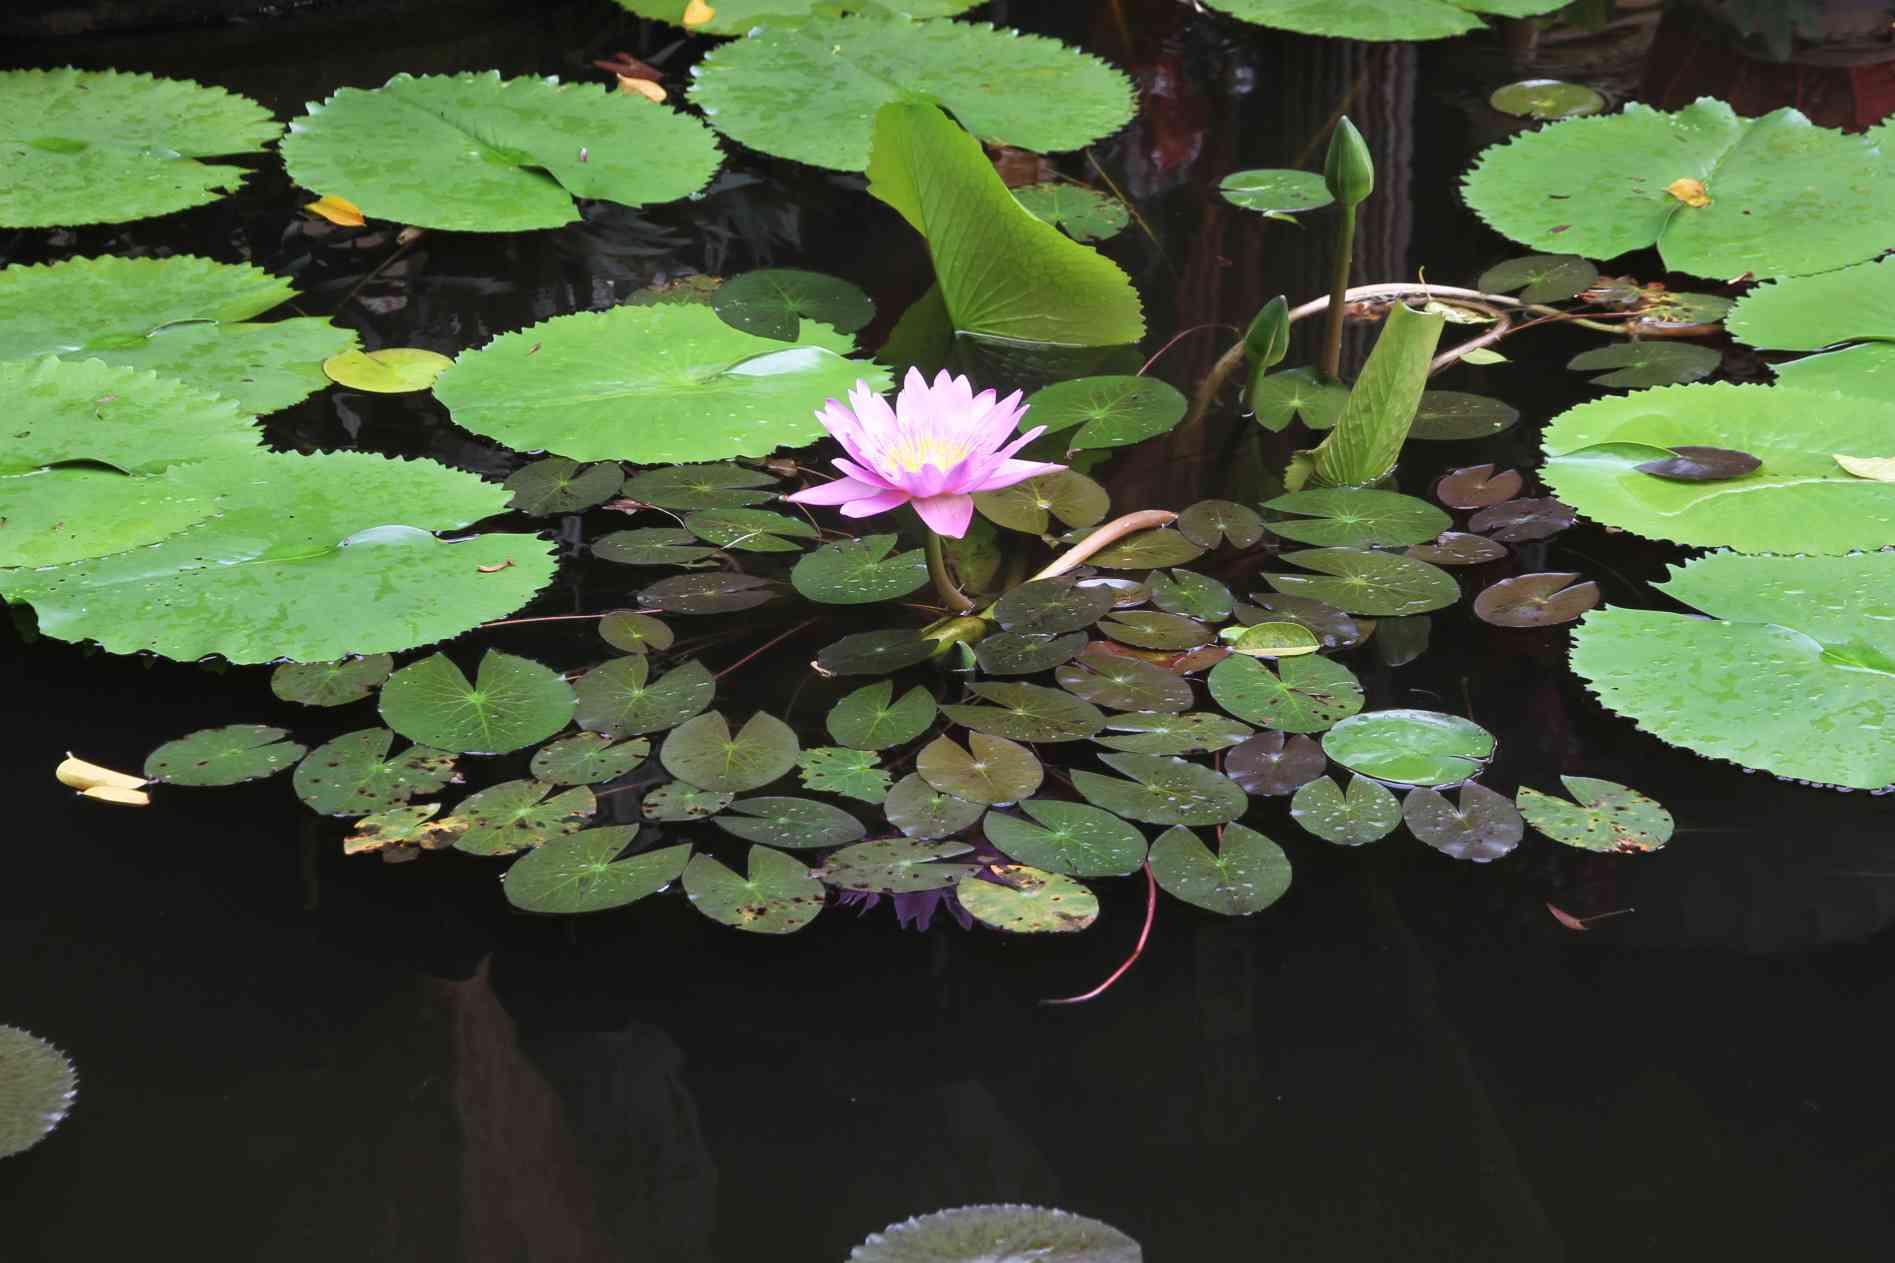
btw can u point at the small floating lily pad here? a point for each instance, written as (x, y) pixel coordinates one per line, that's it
(1362, 581)
(772, 302)
(581, 872)
(707, 593)
(1447, 415)
(1410, 747)
(628, 631)
(1304, 694)
(988, 769)
(655, 546)
(1477, 486)
(1631, 365)
(513, 702)
(712, 486)
(1356, 518)
(1276, 194)
(1153, 629)
(1107, 411)
(1606, 816)
(1162, 790)
(704, 752)
(556, 485)
(872, 718)
(1209, 523)
(790, 823)
(620, 699)
(1484, 827)
(1027, 653)
(851, 773)
(223, 756)
(1545, 99)
(1107, 679)
(1247, 873)
(1693, 463)
(1030, 506)
(922, 811)
(750, 530)
(1273, 764)
(875, 652)
(1366, 813)
(1540, 278)
(1512, 521)
(1024, 900)
(354, 775)
(518, 815)
(1458, 548)
(1071, 838)
(1155, 732)
(394, 370)
(779, 895)
(1536, 600)
(1081, 213)
(1029, 712)
(1053, 605)
(1186, 592)
(331, 683)
(675, 801)
(896, 866)
(859, 571)
(587, 758)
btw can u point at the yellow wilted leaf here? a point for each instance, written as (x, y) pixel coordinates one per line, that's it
(1690, 192)
(643, 87)
(1874, 468)
(78, 774)
(117, 794)
(697, 13)
(337, 210)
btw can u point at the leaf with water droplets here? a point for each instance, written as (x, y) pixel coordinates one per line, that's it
(778, 896)
(1024, 900)
(581, 872)
(1366, 813)
(1484, 827)
(1605, 816)
(1536, 600)
(895, 866)
(1162, 790)
(1247, 873)
(791, 823)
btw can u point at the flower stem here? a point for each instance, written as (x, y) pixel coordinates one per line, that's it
(1338, 289)
(956, 600)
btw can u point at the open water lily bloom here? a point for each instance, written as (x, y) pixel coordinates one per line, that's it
(934, 449)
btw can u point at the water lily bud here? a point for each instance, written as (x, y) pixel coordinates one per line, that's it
(1349, 170)
(1267, 340)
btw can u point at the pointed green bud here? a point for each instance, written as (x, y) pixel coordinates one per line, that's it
(1349, 170)
(1267, 340)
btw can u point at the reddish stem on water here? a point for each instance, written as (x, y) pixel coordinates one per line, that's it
(1144, 936)
(770, 643)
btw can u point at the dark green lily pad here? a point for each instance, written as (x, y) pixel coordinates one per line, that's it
(1305, 694)
(779, 896)
(331, 683)
(750, 530)
(1246, 874)
(922, 811)
(587, 758)
(1027, 653)
(1514, 520)
(1191, 594)
(1410, 747)
(851, 773)
(223, 756)
(1272, 764)
(1477, 486)
(1028, 712)
(1071, 838)
(353, 774)
(1357, 518)
(1540, 278)
(707, 593)
(1151, 629)
(628, 631)
(1607, 816)
(872, 718)
(1633, 365)
(513, 702)
(1458, 548)
(896, 866)
(1484, 827)
(1299, 394)
(1025, 900)
(1109, 679)
(581, 872)
(773, 302)
(704, 752)
(1108, 411)
(875, 652)
(1162, 790)
(1536, 600)
(859, 571)
(715, 486)
(1154, 732)
(557, 485)
(1365, 582)
(987, 770)
(676, 802)
(1453, 414)
(1276, 194)
(1209, 523)
(1545, 99)
(519, 815)
(653, 546)
(1081, 213)
(1030, 506)
(790, 823)
(1148, 550)
(37, 1088)
(1367, 813)
(1053, 605)
(620, 699)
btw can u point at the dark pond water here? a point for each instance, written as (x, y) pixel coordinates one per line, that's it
(286, 1055)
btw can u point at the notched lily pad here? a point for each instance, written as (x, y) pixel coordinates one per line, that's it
(1162, 790)
(654, 546)
(1300, 393)
(1081, 213)
(1148, 550)
(1107, 679)
(1459, 548)
(1477, 486)
(773, 302)
(518, 815)
(779, 895)
(988, 769)
(402, 833)
(875, 652)
(1335, 629)
(790, 823)
(896, 866)
(1540, 278)
(513, 702)
(1027, 653)
(676, 802)
(1606, 816)
(1153, 629)
(1024, 900)
(1247, 873)
(920, 810)
(1453, 414)
(587, 758)
(851, 773)
(331, 683)
(581, 872)
(628, 631)
(620, 699)
(1272, 764)
(223, 756)
(1053, 605)
(1276, 194)
(1514, 520)
(859, 571)
(1030, 506)
(557, 485)
(1484, 827)
(704, 752)
(1155, 732)
(353, 774)
(750, 530)
(1191, 594)
(712, 486)
(1366, 813)
(1536, 600)
(1366, 582)
(1107, 411)
(707, 593)
(1305, 694)
(1356, 518)
(1632, 365)
(1029, 712)
(1071, 838)
(872, 718)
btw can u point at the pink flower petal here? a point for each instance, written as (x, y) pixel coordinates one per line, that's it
(871, 505)
(852, 470)
(1009, 472)
(946, 515)
(841, 491)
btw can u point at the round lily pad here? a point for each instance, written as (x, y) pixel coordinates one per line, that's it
(1545, 99)
(998, 1232)
(921, 811)
(676, 801)
(1484, 827)
(1030, 506)
(773, 302)
(657, 546)
(1162, 790)
(1356, 518)
(1297, 394)
(1209, 523)
(988, 769)
(556, 485)
(1362, 581)
(789, 822)
(1477, 486)
(859, 571)
(331, 683)
(1452, 414)
(587, 758)
(395, 370)
(1153, 629)
(1024, 900)
(1540, 278)
(851, 773)
(1081, 213)
(1053, 605)
(896, 866)
(1304, 694)
(704, 752)
(1277, 639)
(1071, 838)
(1458, 548)
(620, 699)
(750, 530)
(712, 486)
(517, 815)
(513, 702)
(1276, 194)
(1182, 591)
(628, 631)
(1027, 653)
(1108, 679)
(1247, 873)
(1410, 747)
(1536, 600)
(1632, 365)
(1028, 712)
(37, 1089)
(354, 775)
(581, 872)
(1273, 764)
(223, 756)
(875, 653)
(779, 895)
(1335, 629)
(1539, 517)
(872, 718)
(1107, 411)
(1606, 816)
(1156, 732)
(1148, 550)
(1366, 813)
(707, 593)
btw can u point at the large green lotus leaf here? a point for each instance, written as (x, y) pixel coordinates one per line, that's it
(37, 1087)
(1306, 694)
(810, 90)
(998, 1232)
(1247, 874)
(1867, 370)
(305, 563)
(1808, 313)
(577, 873)
(1787, 197)
(1361, 581)
(479, 153)
(1379, 19)
(181, 317)
(1793, 673)
(1072, 838)
(353, 774)
(511, 703)
(138, 422)
(101, 147)
(737, 17)
(651, 384)
(1162, 790)
(702, 751)
(1799, 500)
(780, 894)
(1002, 272)
(72, 512)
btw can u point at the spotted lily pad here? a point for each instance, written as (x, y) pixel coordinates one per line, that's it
(704, 752)
(1247, 873)
(1536, 600)
(1273, 764)
(1459, 548)
(1029, 712)
(655, 546)
(1071, 838)
(872, 718)
(1276, 194)
(1186, 592)
(354, 774)
(1106, 679)
(557, 485)
(331, 683)
(1485, 826)
(1155, 732)
(1606, 816)
(581, 872)
(1452, 414)
(587, 758)
(1410, 747)
(779, 896)
(1027, 653)
(988, 769)
(1030, 506)
(707, 593)
(713, 486)
(37, 1088)
(1052, 605)
(1366, 813)
(518, 815)
(1024, 900)
(675, 801)
(512, 703)
(851, 773)
(620, 699)
(1162, 790)
(896, 866)
(790, 823)
(1361, 581)
(922, 811)
(1356, 518)
(223, 756)
(859, 571)
(1305, 694)
(750, 530)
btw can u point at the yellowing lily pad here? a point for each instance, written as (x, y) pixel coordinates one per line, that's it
(393, 370)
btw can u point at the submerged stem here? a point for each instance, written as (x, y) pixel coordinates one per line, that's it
(956, 600)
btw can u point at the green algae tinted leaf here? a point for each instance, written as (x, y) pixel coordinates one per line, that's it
(1605, 816)
(703, 751)
(1107, 411)
(987, 770)
(714, 486)
(1108, 679)
(859, 571)
(1084, 214)
(556, 485)
(1247, 873)
(852, 773)
(920, 810)
(779, 895)
(894, 866)
(1483, 827)
(773, 302)
(1366, 813)
(1023, 900)
(578, 873)
(1071, 838)
(1000, 1232)
(1356, 518)
(478, 153)
(1540, 278)
(872, 718)
(620, 699)
(518, 815)
(1162, 790)
(1545, 99)
(513, 702)
(1410, 747)
(223, 756)
(676, 801)
(707, 593)
(628, 631)
(331, 683)
(789, 822)
(37, 1089)
(1364, 582)
(1306, 694)
(353, 775)
(587, 758)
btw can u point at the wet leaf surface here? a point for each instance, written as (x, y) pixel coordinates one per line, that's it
(1276, 194)
(1191, 594)
(1540, 278)
(1031, 506)
(1410, 747)
(1366, 813)
(1630, 365)
(789, 823)
(1148, 550)
(1356, 518)
(518, 815)
(620, 699)
(331, 683)
(1305, 694)
(1121, 683)
(875, 652)
(707, 593)
(859, 571)
(1162, 790)
(1053, 605)
(587, 758)
(394, 370)
(778, 896)
(557, 485)
(578, 873)
(1364, 582)
(1083, 214)
(1689, 463)
(1027, 653)
(1298, 394)
(1459, 548)
(402, 833)
(703, 751)
(1335, 629)
(1024, 900)
(1272, 640)
(1604, 816)
(653, 546)
(773, 302)
(1155, 732)
(1071, 838)
(353, 774)
(987, 770)
(716, 486)
(677, 802)
(1107, 411)
(1483, 827)
(223, 756)
(998, 1232)
(1399, 641)
(1247, 873)
(851, 773)
(1029, 712)
(1272, 764)
(750, 530)
(1536, 600)
(1152, 629)
(1515, 520)
(1477, 486)
(872, 718)
(921, 811)
(896, 866)
(628, 631)
(1452, 414)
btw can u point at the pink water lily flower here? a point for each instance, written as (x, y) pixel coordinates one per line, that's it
(937, 446)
